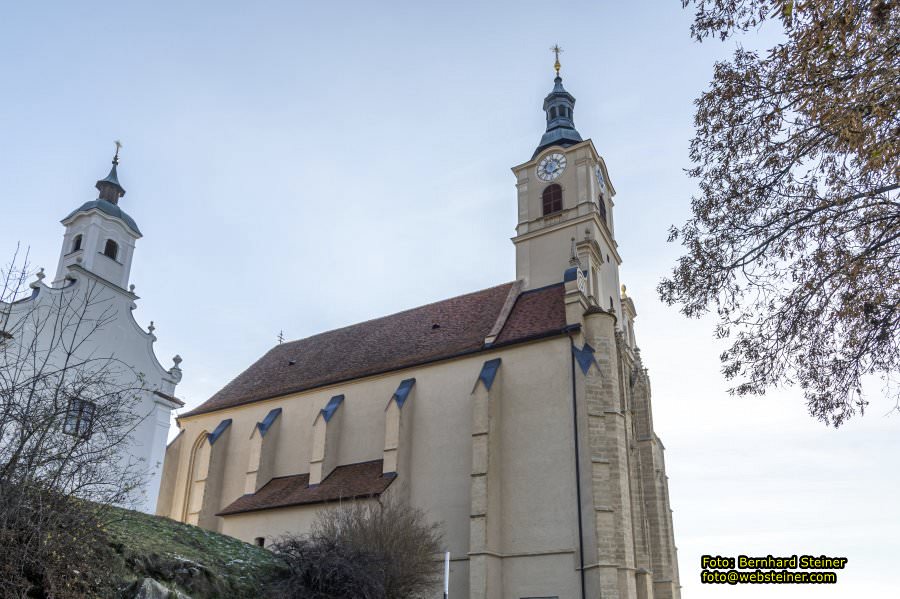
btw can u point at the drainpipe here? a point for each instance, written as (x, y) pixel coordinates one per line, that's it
(577, 469)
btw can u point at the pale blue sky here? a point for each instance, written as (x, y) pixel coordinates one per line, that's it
(301, 167)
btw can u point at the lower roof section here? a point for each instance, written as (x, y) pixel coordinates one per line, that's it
(353, 481)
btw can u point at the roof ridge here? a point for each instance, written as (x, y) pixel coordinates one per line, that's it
(413, 309)
(512, 297)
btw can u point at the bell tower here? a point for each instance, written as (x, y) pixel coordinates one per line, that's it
(99, 236)
(565, 208)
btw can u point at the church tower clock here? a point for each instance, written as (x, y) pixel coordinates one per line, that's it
(565, 202)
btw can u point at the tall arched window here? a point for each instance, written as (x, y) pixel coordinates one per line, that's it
(76, 243)
(111, 250)
(198, 471)
(552, 199)
(601, 204)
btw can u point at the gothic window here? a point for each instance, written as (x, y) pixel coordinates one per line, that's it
(199, 470)
(552, 199)
(76, 243)
(111, 250)
(79, 418)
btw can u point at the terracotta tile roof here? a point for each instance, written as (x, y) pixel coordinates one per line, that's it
(536, 311)
(425, 334)
(353, 481)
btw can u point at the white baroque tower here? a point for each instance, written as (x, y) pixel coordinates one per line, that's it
(100, 236)
(93, 275)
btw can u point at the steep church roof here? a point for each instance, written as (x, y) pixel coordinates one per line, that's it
(437, 331)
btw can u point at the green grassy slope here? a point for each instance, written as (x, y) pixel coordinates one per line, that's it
(197, 562)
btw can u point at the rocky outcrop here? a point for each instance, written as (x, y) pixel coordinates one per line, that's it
(149, 588)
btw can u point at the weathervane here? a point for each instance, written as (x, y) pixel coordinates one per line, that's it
(118, 147)
(556, 50)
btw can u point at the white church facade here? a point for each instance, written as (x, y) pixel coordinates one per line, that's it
(92, 295)
(519, 416)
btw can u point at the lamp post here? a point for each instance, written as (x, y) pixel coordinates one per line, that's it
(447, 575)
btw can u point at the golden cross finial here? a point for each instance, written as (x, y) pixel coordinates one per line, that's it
(118, 147)
(556, 50)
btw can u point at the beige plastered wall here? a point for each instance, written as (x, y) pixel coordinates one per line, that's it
(538, 509)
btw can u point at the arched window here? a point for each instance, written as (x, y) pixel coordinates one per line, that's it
(111, 250)
(198, 471)
(553, 112)
(76, 243)
(552, 199)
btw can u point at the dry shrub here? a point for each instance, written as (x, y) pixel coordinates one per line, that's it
(363, 550)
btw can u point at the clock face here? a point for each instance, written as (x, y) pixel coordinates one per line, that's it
(551, 167)
(601, 181)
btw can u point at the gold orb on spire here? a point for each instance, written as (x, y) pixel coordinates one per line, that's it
(556, 50)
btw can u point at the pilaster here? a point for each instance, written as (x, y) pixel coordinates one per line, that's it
(655, 496)
(398, 437)
(263, 443)
(169, 478)
(325, 439)
(611, 470)
(485, 538)
(207, 471)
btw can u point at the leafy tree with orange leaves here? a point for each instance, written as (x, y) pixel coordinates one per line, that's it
(794, 238)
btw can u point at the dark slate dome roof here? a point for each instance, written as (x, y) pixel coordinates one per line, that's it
(107, 208)
(560, 107)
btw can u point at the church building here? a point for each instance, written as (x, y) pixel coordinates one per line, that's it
(85, 317)
(519, 417)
